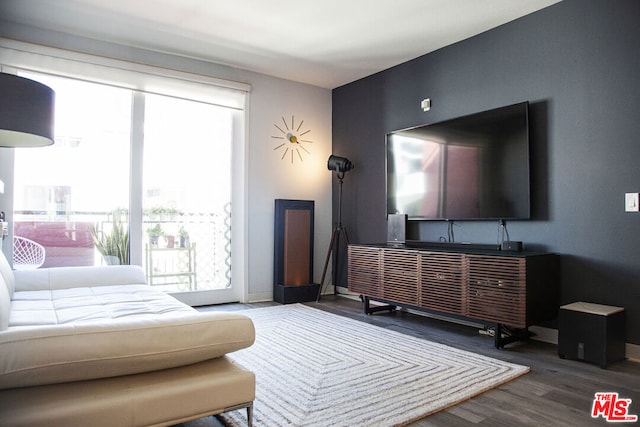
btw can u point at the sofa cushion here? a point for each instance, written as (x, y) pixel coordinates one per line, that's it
(77, 334)
(98, 303)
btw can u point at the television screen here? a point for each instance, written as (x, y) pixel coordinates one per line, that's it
(471, 167)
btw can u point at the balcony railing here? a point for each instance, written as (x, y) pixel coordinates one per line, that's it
(66, 237)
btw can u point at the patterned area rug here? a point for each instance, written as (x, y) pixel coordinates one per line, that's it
(315, 368)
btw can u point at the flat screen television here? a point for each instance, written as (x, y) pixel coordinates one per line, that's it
(474, 167)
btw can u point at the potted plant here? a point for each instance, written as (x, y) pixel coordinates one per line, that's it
(154, 234)
(121, 214)
(114, 246)
(160, 213)
(172, 214)
(183, 235)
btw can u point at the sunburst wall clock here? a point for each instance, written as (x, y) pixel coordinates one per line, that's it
(293, 146)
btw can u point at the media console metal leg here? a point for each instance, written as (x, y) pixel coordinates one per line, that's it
(370, 310)
(506, 335)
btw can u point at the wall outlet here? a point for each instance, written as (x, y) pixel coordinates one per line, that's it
(631, 202)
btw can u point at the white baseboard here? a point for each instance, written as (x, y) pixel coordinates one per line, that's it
(632, 352)
(548, 335)
(260, 297)
(268, 296)
(543, 334)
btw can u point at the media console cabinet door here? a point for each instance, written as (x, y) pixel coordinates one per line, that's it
(498, 289)
(364, 273)
(400, 276)
(443, 282)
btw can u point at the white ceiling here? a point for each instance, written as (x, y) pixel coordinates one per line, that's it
(326, 43)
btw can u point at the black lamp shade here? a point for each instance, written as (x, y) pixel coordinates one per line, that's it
(26, 112)
(339, 164)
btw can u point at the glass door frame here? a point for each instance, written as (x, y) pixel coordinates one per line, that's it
(238, 291)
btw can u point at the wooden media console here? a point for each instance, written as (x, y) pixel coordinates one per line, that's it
(510, 290)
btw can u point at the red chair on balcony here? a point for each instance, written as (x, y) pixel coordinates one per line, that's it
(27, 254)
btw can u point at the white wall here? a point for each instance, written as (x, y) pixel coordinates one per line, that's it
(271, 178)
(268, 178)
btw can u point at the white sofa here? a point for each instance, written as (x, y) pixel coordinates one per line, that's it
(98, 346)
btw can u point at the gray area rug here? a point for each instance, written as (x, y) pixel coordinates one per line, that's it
(315, 368)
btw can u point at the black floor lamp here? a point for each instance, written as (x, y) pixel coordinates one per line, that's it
(341, 165)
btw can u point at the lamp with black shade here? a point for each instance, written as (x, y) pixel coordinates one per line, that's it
(26, 112)
(26, 118)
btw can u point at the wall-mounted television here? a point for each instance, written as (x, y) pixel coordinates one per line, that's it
(474, 167)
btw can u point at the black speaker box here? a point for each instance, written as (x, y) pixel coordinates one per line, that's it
(511, 245)
(396, 228)
(592, 333)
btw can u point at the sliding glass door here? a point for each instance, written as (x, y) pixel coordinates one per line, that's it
(187, 194)
(149, 169)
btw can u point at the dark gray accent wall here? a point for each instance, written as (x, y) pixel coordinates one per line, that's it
(578, 64)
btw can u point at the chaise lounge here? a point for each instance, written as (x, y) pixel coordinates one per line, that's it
(98, 346)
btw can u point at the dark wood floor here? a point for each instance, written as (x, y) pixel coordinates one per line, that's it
(556, 392)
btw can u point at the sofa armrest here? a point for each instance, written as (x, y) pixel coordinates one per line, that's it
(75, 277)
